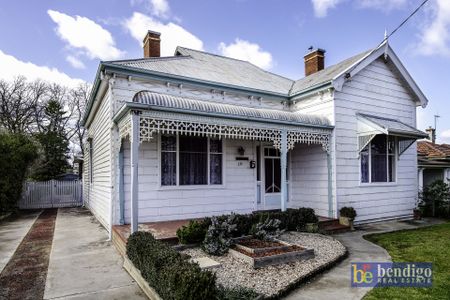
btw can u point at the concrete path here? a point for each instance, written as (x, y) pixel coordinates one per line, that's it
(83, 263)
(12, 232)
(335, 284)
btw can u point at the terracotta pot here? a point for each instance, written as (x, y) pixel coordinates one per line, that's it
(312, 227)
(346, 221)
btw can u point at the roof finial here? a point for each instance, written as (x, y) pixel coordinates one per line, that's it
(387, 44)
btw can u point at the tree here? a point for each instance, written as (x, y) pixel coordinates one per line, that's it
(53, 140)
(21, 104)
(17, 152)
(79, 97)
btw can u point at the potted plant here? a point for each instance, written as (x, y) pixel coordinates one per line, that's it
(311, 220)
(346, 216)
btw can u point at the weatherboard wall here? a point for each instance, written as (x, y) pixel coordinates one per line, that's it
(377, 90)
(99, 191)
(159, 203)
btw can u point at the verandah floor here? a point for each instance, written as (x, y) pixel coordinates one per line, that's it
(166, 230)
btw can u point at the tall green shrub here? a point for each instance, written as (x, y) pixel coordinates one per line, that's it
(435, 199)
(17, 153)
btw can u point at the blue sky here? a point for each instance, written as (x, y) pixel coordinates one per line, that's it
(64, 40)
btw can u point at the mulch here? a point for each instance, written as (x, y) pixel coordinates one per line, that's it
(25, 274)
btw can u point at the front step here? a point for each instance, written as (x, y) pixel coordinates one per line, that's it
(332, 226)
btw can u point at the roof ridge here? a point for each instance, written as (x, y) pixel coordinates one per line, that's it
(149, 59)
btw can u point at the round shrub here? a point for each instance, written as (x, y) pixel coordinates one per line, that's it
(348, 212)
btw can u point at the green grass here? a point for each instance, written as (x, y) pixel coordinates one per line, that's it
(431, 244)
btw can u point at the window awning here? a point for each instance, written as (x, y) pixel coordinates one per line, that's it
(369, 126)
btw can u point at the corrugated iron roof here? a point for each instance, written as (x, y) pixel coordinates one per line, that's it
(220, 109)
(394, 126)
(214, 68)
(325, 75)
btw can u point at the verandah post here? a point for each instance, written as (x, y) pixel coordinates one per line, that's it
(134, 169)
(283, 163)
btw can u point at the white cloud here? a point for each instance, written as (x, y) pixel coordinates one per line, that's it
(435, 36)
(83, 33)
(385, 5)
(245, 50)
(445, 136)
(172, 35)
(12, 67)
(160, 8)
(75, 62)
(321, 7)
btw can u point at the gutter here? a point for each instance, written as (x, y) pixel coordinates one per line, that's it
(139, 106)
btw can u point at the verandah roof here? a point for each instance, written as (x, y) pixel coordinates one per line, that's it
(153, 99)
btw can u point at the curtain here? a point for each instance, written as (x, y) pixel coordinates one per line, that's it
(215, 161)
(193, 160)
(168, 160)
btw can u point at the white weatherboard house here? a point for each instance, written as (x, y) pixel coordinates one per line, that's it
(197, 134)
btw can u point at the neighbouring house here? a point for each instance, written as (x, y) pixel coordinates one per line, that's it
(433, 160)
(197, 134)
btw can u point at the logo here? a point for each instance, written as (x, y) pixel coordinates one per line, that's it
(399, 274)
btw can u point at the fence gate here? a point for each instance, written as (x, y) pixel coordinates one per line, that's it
(48, 194)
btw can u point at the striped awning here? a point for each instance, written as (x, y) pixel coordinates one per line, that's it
(188, 105)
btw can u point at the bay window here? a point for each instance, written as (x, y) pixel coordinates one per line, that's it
(378, 162)
(188, 160)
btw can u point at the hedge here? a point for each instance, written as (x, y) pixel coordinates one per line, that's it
(17, 153)
(291, 219)
(171, 275)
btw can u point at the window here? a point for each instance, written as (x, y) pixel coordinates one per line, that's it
(91, 161)
(187, 160)
(378, 161)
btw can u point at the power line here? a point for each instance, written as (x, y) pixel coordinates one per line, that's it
(386, 37)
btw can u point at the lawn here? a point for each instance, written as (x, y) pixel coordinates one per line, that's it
(431, 244)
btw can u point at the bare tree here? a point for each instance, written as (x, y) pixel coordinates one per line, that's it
(21, 104)
(78, 100)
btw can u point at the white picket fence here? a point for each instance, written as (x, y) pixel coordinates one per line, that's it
(49, 194)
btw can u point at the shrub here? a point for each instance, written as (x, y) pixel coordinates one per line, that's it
(348, 212)
(267, 229)
(167, 272)
(193, 233)
(219, 236)
(435, 199)
(17, 153)
(236, 293)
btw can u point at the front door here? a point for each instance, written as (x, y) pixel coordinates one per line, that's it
(271, 178)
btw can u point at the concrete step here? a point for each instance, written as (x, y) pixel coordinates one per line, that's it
(335, 229)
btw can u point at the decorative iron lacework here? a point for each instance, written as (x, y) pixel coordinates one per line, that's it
(125, 127)
(166, 123)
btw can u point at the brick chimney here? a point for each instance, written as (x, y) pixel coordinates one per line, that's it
(152, 44)
(431, 134)
(314, 61)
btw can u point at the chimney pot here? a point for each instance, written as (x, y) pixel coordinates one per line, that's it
(431, 134)
(152, 47)
(314, 61)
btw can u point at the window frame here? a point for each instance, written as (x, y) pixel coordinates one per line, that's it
(177, 178)
(395, 173)
(91, 161)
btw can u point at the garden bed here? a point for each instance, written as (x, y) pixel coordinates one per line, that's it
(276, 280)
(261, 253)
